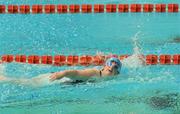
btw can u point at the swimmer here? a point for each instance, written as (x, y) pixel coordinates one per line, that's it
(112, 67)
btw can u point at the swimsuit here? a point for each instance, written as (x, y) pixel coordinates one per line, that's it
(100, 73)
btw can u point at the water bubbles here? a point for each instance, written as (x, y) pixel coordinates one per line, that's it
(147, 20)
(75, 35)
(85, 90)
(138, 26)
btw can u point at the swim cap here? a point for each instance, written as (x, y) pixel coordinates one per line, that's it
(116, 60)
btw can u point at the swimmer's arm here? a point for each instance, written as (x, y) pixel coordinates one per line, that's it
(59, 75)
(75, 73)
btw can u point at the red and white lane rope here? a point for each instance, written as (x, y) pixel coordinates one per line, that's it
(88, 8)
(85, 60)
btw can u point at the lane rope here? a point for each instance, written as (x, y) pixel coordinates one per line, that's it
(86, 60)
(88, 8)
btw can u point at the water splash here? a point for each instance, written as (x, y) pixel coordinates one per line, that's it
(136, 59)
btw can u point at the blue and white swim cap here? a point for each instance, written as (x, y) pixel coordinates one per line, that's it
(116, 60)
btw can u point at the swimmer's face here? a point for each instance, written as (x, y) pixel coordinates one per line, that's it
(110, 70)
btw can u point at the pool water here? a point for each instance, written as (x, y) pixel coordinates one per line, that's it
(137, 90)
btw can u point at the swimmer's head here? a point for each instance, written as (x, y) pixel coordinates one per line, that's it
(112, 66)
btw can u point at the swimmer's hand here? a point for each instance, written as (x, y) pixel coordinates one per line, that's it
(59, 75)
(53, 76)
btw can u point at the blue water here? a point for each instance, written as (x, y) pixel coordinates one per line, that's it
(144, 90)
